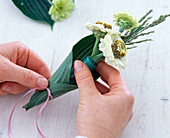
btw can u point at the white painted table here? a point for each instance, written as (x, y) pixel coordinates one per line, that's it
(148, 72)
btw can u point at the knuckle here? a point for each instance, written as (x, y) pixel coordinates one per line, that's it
(20, 47)
(27, 76)
(83, 78)
(3, 71)
(130, 99)
(117, 86)
(22, 50)
(19, 44)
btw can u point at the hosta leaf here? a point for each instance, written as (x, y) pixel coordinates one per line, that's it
(60, 82)
(35, 9)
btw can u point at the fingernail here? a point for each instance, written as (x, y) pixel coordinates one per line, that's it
(42, 82)
(7, 88)
(78, 65)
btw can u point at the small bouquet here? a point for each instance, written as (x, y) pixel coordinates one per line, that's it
(103, 44)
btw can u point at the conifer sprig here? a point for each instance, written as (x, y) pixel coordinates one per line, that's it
(137, 32)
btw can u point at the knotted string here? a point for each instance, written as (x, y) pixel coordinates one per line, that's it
(39, 112)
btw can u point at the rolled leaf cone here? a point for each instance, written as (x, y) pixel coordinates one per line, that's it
(63, 81)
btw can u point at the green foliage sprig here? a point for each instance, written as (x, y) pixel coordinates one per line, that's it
(135, 33)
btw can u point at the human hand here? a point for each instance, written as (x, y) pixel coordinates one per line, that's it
(20, 69)
(103, 112)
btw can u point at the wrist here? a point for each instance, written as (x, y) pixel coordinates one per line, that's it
(97, 132)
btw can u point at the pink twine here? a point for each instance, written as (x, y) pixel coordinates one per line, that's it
(39, 112)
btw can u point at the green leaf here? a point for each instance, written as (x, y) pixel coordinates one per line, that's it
(60, 82)
(63, 72)
(35, 9)
(132, 43)
(145, 16)
(161, 19)
(131, 34)
(145, 22)
(142, 34)
(131, 47)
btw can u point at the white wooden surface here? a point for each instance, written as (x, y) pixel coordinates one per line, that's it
(148, 72)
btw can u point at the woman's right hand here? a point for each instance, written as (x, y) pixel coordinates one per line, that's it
(103, 112)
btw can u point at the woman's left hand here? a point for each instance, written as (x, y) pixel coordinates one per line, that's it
(20, 69)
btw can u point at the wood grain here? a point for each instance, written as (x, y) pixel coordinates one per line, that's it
(147, 74)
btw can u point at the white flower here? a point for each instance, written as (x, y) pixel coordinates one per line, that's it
(112, 46)
(96, 27)
(99, 29)
(114, 49)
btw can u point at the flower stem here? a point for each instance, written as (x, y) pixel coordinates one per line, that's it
(98, 58)
(95, 48)
(49, 1)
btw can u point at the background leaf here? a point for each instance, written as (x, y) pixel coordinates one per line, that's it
(35, 9)
(61, 83)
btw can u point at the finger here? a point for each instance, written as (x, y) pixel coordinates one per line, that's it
(84, 80)
(109, 74)
(24, 76)
(103, 80)
(26, 57)
(101, 88)
(3, 93)
(130, 117)
(36, 64)
(13, 88)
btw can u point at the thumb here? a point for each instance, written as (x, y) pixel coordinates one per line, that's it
(84, 80)
(26, 77)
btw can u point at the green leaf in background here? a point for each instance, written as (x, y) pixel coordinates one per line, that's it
(35, 9)
(60, 83)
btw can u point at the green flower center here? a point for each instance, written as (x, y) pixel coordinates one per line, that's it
(60, 7)
(119, 49)
(125, 23)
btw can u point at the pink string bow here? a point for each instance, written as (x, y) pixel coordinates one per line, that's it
(39, 112)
